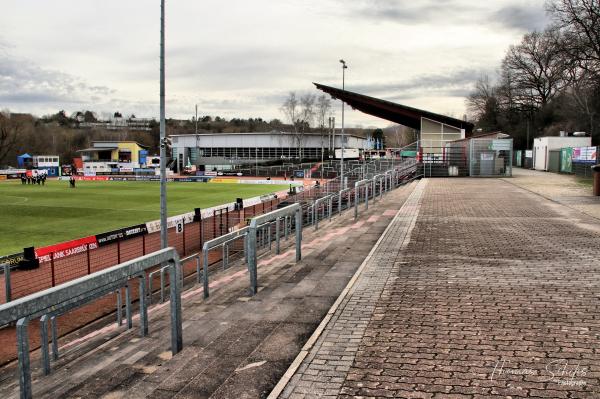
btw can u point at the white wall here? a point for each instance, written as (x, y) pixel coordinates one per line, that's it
(249, 140)
(542, 146)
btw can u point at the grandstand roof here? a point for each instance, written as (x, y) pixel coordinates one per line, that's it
(402, 114)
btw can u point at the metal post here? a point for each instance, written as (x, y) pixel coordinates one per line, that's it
(277, 223)
(128, 315)
(252, 258)
(245, 249)
(223, 257)
(163, 140)
(330, 206)
(119, 309)
(356, 198)
(298, 235)
(89, 266)
(162, 284)
(198, 275)
(315, 216)
(183, 237)
(205, 286)
(23, 354)
(344, 67)
(118, 251)
(54, 338)
(7, 286)
(366, 197)
(176, 327)
(269, 235)
(52, 268)
(143, 306)
(44, 344)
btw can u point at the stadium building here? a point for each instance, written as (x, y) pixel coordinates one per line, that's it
(221, 151)
(113, 157)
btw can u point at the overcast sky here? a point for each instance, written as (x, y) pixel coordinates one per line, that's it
(241, 57)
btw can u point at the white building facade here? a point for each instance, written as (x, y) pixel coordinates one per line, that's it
(221, 151)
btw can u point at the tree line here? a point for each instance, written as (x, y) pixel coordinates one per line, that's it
(549, 82)
(61, 134)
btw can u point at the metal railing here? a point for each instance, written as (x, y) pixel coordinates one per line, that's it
(223, 241)
(251, 237)
(73, 294)
(316, 205)
(361, 183)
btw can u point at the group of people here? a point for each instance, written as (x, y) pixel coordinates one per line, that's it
(39, 179)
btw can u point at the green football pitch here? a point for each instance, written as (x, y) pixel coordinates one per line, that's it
(32, 215)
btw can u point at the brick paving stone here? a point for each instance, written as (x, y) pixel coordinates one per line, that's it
(234, 346)
(351, 317)
(492, 294)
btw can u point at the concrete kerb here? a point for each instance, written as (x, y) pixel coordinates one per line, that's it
(287, 376)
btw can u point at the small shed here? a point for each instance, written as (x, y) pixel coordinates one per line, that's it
(24, 161)
(543, 146)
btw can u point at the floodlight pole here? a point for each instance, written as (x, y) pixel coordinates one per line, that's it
(344, 67)
(196, 131)
(163, 141)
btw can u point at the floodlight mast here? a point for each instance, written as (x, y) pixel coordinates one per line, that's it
(344, 67)
(163, 141)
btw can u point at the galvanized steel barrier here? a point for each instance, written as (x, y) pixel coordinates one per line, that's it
(60, 299)
(214, 243)
(366, 183)
(251, 237)
(315, 208)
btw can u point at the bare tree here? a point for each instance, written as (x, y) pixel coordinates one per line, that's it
(323, 108)
(307, 116)
(291, 110)
(9, 133)
(536, 68)
(479, 99)
(579, 21)
(581, 93)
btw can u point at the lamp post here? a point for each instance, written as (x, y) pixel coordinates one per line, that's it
(344, 67)
(163, 140)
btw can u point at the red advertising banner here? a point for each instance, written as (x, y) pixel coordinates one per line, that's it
(66, 248)
(92, 178)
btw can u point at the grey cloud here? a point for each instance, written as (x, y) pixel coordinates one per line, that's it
(455, 84)
(520, 17)
(424, 11)
(25, 82)
(525, 18)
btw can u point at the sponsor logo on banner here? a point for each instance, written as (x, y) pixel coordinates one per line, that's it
(12, 260)
(121, 234)
(210, 173)
(584, 154)
(66, 248)
(88, 178)
(154, 226)
(12, 171)
(224, 180)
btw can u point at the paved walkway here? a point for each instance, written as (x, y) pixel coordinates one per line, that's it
(235, 346)
(477, 289)
(568, 190)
